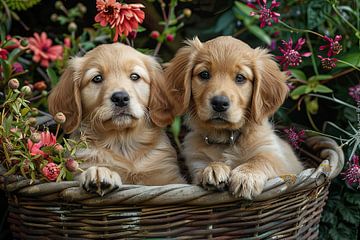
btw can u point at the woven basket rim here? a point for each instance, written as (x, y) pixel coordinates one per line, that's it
(330, 162)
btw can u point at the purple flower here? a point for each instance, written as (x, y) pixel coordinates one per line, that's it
(352, 174)
(295, 138)
(328, 63)
(354, 92)
(18, 67)
(334, 45)
(266, 14)
(291, 56)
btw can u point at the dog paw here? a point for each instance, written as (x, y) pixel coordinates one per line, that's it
(246, 183)
(215, 176)
(100, 180)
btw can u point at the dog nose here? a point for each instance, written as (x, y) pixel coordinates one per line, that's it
(121, 99)
(220, 103)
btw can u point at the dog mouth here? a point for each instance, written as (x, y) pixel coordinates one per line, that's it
(219, 119)
(117, 115)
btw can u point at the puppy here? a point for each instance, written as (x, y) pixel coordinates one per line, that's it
(114, 96)
(228, 91)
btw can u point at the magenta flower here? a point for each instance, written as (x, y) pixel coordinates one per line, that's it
(295, 138)
(334, 45)
(47, 139)
(51, 171)
(328, 63)
(266, 14)
(352, 174)
(354, 92)
(291, 56)
(3, 53)
(17, 67)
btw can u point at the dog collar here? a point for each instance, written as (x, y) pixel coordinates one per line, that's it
(233, 137)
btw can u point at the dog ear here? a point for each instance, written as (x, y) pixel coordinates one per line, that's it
(270, 89)
(65, 97)
(178, 76)
(159, 107)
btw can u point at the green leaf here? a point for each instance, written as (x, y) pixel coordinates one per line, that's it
(352, 58)
(54, 79)
(14, 55)
(353, 198)
(243, 8)
(322, 89)
(259, 33)
(6, 69)
(329, 217)
(299, 91)
(298, 74)
(317, 12)
(320, 77)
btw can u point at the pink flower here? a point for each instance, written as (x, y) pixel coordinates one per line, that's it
(125, 18)
(43, 50)
(352, 174)
(354, 92)
(51, 171)
(328, 63)
(67, 42)
(291, 56)
(3, 53)
(334, 45)
(266, 14)
(47, 139)
(17, 67)
(295, 138)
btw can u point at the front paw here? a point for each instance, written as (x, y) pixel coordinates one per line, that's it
(215, 176)
(246, 183)
(100, 180)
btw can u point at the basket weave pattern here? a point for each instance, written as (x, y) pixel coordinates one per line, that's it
(289, 208)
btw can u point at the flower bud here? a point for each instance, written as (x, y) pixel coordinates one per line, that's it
(132, 35)
(72, 27)
(59, 5)
(34, 112)
(9, 147)
(59, 118)
(26, 90)
(154, 34)
(58, 148)
(35, 137)
(54, 17)
(82, 8)
(40, 86)
(24, 42)
(26, 165)
(13, 83)
(170, 38)
(31, 121)
(72, 165)
(187, 12)
(44, 93)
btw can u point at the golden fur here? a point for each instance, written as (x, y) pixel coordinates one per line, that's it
(125, 143)
(258, 154)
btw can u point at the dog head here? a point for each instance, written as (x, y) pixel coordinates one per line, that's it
(113, 87)
(224, 83)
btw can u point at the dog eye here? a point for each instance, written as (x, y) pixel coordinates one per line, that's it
(97, 79)
(134, 76)
(205, 75)
(240, 78)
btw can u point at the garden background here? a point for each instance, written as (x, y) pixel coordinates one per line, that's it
(317, 42)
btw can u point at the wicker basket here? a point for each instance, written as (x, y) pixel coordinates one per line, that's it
(289, 208)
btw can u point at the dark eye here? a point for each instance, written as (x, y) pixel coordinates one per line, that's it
(240, 78)
(205, 75)
(97, 79)
(134, 76)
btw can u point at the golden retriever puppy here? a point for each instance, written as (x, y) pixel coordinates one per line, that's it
(228, 91)
(114, 97)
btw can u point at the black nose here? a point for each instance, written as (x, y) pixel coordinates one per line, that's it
(220, 103)
(121, 99)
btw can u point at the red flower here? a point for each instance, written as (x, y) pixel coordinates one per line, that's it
(51, 171)
(334, 45)
(354, 92)
(291, 56)
(3, 53)
(47, 139)
(266, 14)
(295, 138)
(125, 18)
(43, 49)
(328, 63)
(352, 174)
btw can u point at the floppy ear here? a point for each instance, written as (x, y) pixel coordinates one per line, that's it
(270, 89)
(159, 108)
(65, 97)
(178, 76)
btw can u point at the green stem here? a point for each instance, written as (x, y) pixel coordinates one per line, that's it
(311, 120)
(313, 60)
(334, 100)
(349, 64)
(344, 19)
(300, 30)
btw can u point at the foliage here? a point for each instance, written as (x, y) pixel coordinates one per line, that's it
(19, 5)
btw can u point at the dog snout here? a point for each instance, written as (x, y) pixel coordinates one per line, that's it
(121, 99)
(220, 103)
